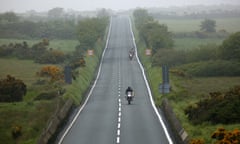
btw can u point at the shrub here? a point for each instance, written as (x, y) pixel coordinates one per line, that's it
(12, 90)
(219, 108)
(230, 49)
(212, 68)
(54, 72)
(79, 62)
(169, 57)
(16, 131)
(223, 136)
(197, 141)
(51, 57)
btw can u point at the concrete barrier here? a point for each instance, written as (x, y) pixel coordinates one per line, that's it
(54, 122)
(179, 132)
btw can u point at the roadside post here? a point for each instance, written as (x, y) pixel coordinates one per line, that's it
(68, 74)
(164, 87)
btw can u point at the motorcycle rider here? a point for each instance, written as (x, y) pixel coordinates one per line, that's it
(132, 52)
(129, 89)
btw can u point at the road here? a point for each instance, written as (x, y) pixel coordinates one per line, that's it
(106, 118)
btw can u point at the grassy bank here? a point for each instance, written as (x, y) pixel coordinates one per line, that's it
(34, 115)
(187, 90)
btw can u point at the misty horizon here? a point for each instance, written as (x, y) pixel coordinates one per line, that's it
(83, 5)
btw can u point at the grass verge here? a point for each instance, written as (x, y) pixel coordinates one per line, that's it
(187, 91)
(34, 115)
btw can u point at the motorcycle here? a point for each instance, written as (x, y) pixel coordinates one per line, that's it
(129, 97)
(130, 56)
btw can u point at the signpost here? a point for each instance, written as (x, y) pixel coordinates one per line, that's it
(164, 87)
(148, 52)
(68, 74)
(90, 52)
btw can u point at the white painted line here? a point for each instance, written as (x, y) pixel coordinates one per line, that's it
(119, 100)
(119, 109)
(118, 132)
(118, 140)
(119, 104)
(119, 119)
(148, 88)
(119, 125)
(119, 114)
(91, 90)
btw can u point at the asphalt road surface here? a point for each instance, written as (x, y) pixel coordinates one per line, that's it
(106, 118)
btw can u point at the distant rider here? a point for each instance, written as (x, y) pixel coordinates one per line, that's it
(129, 89)
(132, 51)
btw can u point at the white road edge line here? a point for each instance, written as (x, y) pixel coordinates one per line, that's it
(148, 88)
(99, 71)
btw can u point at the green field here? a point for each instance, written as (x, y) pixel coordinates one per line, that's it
(20, 69)
(33, 115)
(193, 43)
(189, 90)
(189, 25)
(231, 25)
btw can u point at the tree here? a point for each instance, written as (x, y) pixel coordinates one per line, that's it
(10, 17)
(230, 49)
(141, 17)
(208, 25)
(89, 31)
(156, 36)
(55, 13)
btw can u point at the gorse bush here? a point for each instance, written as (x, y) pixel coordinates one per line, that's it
(12, 89)
(219, 108)
(39, 52)
(55, 73)
(223, 136)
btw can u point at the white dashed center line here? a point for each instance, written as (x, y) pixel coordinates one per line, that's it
(119, 108)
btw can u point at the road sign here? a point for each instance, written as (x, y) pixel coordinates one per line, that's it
(90, 52)
(165, 86)
(68, 74)
(165, 74)
(148, 52)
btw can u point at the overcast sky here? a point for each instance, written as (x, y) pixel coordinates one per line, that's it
(81, 5)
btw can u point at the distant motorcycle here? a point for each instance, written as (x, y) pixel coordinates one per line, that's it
(129, 97)
(130, 56)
